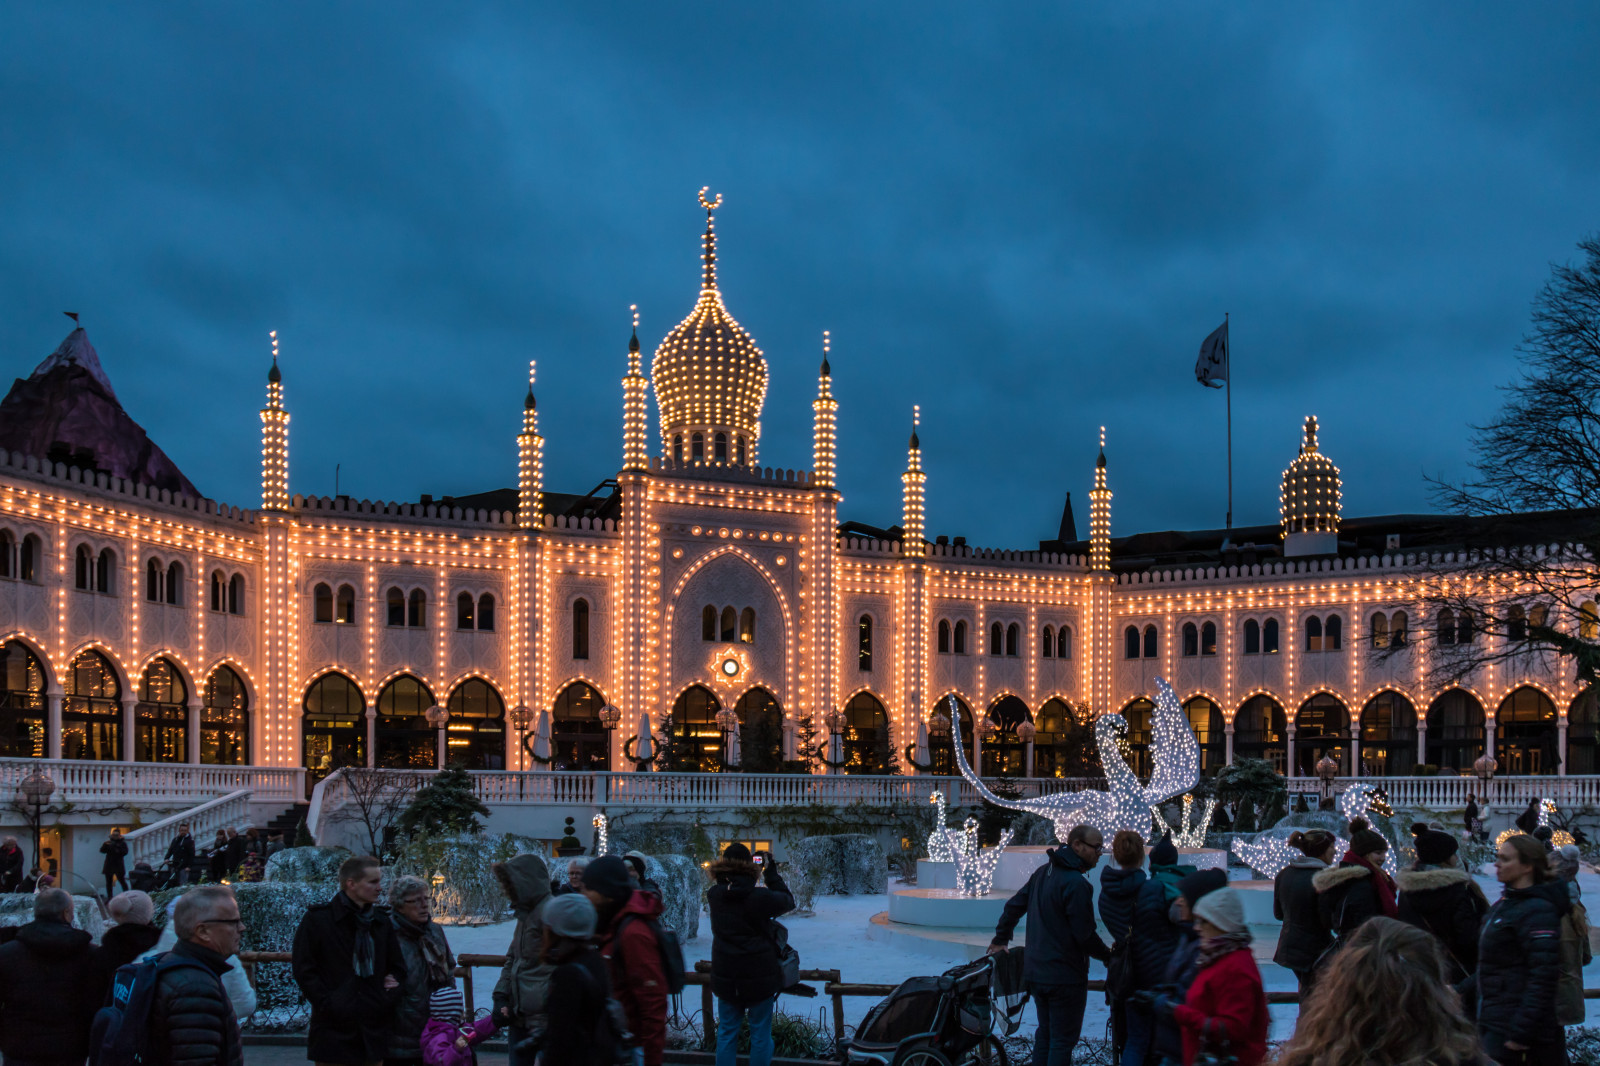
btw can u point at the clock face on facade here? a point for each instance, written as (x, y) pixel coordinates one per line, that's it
(730, 667)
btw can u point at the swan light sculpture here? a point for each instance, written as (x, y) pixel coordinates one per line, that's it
(1175, 756)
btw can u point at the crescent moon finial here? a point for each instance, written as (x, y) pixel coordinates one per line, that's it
(709, 205)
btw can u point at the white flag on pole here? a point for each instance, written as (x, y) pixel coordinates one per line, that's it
(1211, 369)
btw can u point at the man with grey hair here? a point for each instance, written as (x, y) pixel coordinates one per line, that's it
(191, 1019)
(50, 987)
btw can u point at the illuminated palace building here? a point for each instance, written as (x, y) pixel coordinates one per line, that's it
(701, 607)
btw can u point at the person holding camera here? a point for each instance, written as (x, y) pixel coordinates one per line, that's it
(745, 975)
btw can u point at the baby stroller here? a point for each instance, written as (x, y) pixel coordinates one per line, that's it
(960, 1017)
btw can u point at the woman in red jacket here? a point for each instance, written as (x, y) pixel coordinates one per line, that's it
(1226, 1006)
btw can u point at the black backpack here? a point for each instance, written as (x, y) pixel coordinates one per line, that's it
(667, 944)
(119, 1035)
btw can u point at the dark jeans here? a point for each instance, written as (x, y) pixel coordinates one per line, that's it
(111, 881)
(1060, 1023)
(1553, 1053)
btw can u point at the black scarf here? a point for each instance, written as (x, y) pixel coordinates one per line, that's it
(363, 958)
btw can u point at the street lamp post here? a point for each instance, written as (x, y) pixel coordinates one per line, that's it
(609, 717)
(1327, 770)
(727, 722)
(36, 790)
(1483, 768)
(521, 720)
(437, 716)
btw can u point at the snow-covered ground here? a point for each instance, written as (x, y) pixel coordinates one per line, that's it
(835, 938)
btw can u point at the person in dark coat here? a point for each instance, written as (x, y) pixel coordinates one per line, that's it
(115, 866)
(132, 936)
(1519, 960)
(180, 854)
(1185, 961)
(1059, 904)
(1120, 884)
(579, 986)
(1437, 895)
(238, 844)
(1358, 888)
(632, 953)
(1305, 934)
(217, 859)
(1152, 934)
(191, 1019)
(10, 865)
(1470, 816)
(49, 987)
(745, 975)
(521, 993)
(1528, 820)
(429, 965)
(347, 961)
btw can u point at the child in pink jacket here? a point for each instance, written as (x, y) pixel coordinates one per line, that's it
(446, 1040)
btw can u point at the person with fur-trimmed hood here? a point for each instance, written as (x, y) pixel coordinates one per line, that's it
(1358, 888)
(1437, 895)
(1297, 904)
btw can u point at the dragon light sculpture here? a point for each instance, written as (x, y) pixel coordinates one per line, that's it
(1175, 756)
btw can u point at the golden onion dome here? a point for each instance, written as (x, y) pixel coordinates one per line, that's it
(710, 378)
(1311, 497)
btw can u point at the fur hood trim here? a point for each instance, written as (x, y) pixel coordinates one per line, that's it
(1425, 880)
(1338, 875)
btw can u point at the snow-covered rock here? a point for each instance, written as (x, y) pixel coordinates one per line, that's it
(16, 908)
(306, 864)
(848, 864)
(682, 891)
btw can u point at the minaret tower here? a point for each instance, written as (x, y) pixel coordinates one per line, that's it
(911, 520)
(825, 410)
(530, 461)
(1100, 513)
(635, 453)
(274, 441)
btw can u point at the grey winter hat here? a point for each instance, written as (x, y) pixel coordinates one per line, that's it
(1223, 909)
(571, 916)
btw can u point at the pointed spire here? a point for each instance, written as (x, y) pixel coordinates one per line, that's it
(635, 452)
(274, 440)
(531, 404)
(827, 371)
(1100, 513)
(824, 419)
(530, 461)
(916, 420)
(913, 492)
(1308, 439)
(708, 277)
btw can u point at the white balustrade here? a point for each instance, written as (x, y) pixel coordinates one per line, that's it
(149, 843)
(80, 781)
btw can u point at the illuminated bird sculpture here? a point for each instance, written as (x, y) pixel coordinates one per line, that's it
(1174, 752)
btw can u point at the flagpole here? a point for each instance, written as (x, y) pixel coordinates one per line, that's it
(1228, 351)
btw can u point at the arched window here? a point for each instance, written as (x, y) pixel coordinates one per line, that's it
(730, 624)
(1208, 638)
(218, 596)
(760, 732)
(417, 609)
(175, 583)
(720, 444)
(344, 612)
(91, 710)
(152, 580)
(940, 748)
(1013, 639)
(1047, 643)
(1379, 625)
(1063, 745)
(105, 567)
(944, 637)
(8, 550)
(1252, 637)
(580, 628)
(865, 740)
(1516, 624)
(161, 717)
(1526, 741)
(334, 730)
(322, 598)
(708, 622)
(1322, 727)
(1464, 627)
(1151, 647)
(1004, 753)
(83, 572)
(23, 711)
(1447, 626)
(578, 740)
(739, 443)
(1455, 730)
(747, 626)
(225, 720)
(1130, 642)
(396, 601)
(864, 642)
(677, 447)
(1138, 715)
(236, 594)
(1269, 637)
(466, 609)
(1397, 629)
(1313, 633)
(697, 446)
(1191, 640)
(1259, 729)
(1064, 642)
(997, 638)
(28, 558)
(475, 735)
(1589, 621)
(960, 644)
(697, 746)
(1388, 735)
(1205, 718)
(403, 739)
(1333, 633)
(486, 613)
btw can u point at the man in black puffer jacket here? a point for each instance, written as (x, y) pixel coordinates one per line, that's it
(1058, 902)
(191, 1020)
(745, 975)
(50, 987)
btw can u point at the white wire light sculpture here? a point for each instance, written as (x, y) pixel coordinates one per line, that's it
(602, 843)
(975, 864)
(943, 843)
(1268, 855)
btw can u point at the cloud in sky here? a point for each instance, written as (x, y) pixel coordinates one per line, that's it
(1024, 220)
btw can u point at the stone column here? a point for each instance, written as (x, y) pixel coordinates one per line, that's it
(1355, 750)
(129, 725)
(1561, 744)
(1422, 741)
(52, 725)
(1289, 752)
(1227, 742)
(1488, 737)
(1027, 759)
(193, 733)
(372, 736)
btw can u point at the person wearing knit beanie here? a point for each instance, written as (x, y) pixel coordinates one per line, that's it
(1223, 908)
(1200, 884)
(608, 876)
(571, 916)
(447, 1004)
(1435, 848)
(132, 908)
(1164, 853)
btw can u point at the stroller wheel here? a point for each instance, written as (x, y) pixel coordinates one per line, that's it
(921, 1056)
(990, 1052)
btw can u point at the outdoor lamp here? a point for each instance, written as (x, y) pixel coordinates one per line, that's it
(938, 726)
(987, 728)
(610, 716)
(1327, 769)
(835, 720)
(1483, 768)
(1026, 731)
(521, 718)
(437, 716)
(35, 790)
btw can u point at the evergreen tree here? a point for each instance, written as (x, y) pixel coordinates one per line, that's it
(302, 836)
(445, 806)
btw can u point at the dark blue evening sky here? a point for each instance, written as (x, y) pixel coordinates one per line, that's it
(1023, 217)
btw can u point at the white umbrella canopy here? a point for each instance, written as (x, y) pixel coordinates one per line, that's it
(541, 735)
(645, 747)
(922, 753)
(791, 740)
(735, 755)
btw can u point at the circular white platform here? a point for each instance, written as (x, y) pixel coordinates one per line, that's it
(945, 908)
